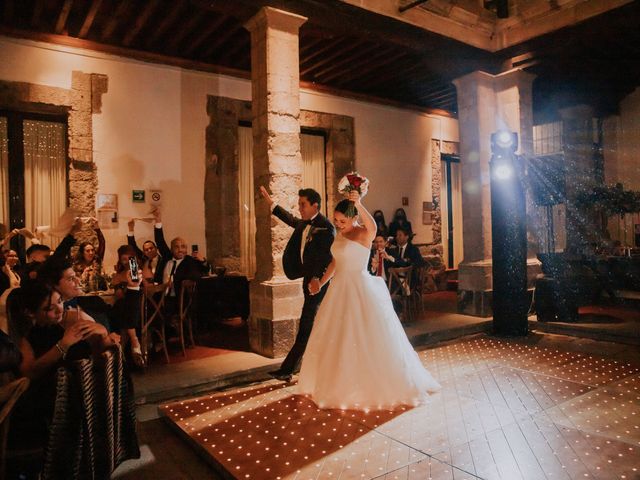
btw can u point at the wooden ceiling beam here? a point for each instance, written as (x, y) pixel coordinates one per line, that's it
(88, 20)
(205, 34)
(309, 45)
(61, 23)
(329, 58)
(37, 13)
(330, 45)
(358, 68)
(112, 24)
(394, 67)
(141, 21)
(187, 27)
(232, 52)
(166, 22)
(220, 40)
(364, 52)
(8, 12)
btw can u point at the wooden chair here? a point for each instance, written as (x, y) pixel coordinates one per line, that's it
(399, 283)
(419, 289)
(185, 318)
(9, 395)
(153, 317)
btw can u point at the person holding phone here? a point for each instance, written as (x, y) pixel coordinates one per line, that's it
(176, 264)
(125, 314)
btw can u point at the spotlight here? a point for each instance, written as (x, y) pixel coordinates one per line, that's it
(504, 143)
(503, 172)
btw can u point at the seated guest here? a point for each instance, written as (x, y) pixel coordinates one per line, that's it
(8, 277)
(400, 221)
(176, 265)
(149, 254)
(125, 315)
(383, 230)
(404, 253)
(59, 274)
(380, 259)
(45, 337)
(88, 262)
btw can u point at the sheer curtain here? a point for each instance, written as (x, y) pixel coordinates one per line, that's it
(247, 205)
(313, 173)
(45, 174)
(4, 173)
(313, 176)
(456, 200)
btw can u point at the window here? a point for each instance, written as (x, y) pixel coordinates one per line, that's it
(33, 181)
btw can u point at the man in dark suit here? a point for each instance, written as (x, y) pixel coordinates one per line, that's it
(175, 264)
(307, 256)
(405, 254)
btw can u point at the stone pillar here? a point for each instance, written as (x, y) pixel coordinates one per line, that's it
(486, 103)
(275, 78)
(577, 140)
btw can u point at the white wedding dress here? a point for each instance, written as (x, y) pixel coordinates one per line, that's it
(358, 356)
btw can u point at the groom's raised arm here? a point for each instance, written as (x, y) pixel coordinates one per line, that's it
(278, 211)
(285, 216)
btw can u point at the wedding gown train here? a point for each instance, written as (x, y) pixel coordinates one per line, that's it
(358, 355)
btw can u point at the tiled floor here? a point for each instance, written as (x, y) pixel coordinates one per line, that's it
(544, 407)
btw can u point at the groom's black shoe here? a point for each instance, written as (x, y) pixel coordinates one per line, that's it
(285, 377)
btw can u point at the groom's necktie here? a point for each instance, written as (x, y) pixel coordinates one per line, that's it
(380, 260)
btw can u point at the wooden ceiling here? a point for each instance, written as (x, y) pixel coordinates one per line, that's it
(343, 48)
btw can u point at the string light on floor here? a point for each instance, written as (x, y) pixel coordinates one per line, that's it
(593, 393)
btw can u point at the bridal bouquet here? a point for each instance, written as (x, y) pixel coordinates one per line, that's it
(350, 182)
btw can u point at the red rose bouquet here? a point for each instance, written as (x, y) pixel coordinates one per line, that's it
(350, 182)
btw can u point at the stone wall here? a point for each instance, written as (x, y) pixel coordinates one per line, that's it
(436, 182)
(79, 104)
(222, 216)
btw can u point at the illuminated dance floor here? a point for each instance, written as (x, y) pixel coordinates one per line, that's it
(509, 409)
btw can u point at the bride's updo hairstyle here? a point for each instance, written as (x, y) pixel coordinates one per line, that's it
(347, 208)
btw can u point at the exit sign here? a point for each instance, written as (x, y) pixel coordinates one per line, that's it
(137, 196)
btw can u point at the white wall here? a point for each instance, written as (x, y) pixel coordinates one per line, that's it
(151, 135)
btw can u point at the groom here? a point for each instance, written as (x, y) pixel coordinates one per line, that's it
(306, 256)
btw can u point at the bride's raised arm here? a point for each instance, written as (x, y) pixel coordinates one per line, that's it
(364, 216)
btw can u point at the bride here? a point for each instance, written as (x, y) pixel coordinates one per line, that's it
(358, 356)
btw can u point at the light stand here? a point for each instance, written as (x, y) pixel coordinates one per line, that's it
(509, 237)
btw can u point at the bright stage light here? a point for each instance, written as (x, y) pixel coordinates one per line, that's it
(503, 172)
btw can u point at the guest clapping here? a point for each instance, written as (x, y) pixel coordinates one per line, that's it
(380, 260)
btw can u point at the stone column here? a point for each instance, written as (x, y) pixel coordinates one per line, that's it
(577, 140)
(275, 78)
(486, 103)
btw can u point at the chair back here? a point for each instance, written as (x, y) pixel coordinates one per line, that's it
(9, 395)
(399, 280)
(187, 294)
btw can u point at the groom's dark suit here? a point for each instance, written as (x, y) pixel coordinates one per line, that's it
(306, 264)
